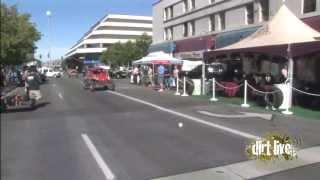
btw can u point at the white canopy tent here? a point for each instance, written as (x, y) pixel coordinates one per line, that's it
(190, 65)
(158, 58)
(284, 35)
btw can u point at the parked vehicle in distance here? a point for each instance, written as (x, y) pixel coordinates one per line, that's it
(118, 73)
(98, 78)
(49, 72)
(72, 73)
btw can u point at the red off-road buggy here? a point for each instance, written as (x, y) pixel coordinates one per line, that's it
(98, 78)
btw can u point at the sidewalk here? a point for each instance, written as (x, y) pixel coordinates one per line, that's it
(307, 131)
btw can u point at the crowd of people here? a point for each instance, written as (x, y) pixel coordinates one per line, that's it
(160, 77)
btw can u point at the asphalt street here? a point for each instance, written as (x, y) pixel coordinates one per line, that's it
(135, 141)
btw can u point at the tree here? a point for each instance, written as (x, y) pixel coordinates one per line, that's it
(18, 36)
(124, 53)
(143, 43)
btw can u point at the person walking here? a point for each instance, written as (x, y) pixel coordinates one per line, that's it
(161, 71)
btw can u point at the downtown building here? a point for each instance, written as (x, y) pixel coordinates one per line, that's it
(110, 29)
(188, 28)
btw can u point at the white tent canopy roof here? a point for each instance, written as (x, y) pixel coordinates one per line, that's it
(284, 28)
(190, 65)
(157, 58)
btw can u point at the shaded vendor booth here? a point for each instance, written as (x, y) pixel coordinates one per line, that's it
(284, 41)
(153, 60)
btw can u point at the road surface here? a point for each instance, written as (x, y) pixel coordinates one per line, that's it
(76, 134)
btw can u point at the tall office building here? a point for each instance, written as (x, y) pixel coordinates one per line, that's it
(110, 29)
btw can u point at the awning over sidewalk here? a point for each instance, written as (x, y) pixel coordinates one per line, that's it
(227, 38)
(167, 47)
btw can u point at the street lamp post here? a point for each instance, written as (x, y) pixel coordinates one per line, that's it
(48, 13)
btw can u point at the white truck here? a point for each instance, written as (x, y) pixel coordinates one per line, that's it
(49, 72)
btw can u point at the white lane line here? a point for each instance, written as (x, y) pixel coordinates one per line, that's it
(60, 95)
(96, 155)
(253, 168)
(195, 119)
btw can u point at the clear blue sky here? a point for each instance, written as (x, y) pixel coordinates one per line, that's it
(72, 18)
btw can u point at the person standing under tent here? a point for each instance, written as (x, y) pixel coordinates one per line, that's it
(161, 71)
(176, 75)
(135, 74)
(150, 75)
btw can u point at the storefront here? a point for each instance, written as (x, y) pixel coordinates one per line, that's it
(193, 48)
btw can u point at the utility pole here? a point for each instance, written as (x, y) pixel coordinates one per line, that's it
(48, 13)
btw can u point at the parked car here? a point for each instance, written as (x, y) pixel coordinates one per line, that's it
(98, 78)
(49, 72)
(119, 73)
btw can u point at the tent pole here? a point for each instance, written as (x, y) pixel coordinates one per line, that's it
(290, 84)
(203, 77)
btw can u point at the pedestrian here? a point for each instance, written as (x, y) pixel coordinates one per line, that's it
(161, 71)
(33, 83)
(166, 78)
(150, 75)
(135, 74)
(176, 75)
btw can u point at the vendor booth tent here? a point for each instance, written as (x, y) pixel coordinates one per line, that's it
(285, 35)
(157, 58)
(190, 65)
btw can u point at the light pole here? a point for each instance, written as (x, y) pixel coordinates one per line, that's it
(48, 13)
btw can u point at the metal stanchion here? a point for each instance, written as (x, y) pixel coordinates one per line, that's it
(131, 79)
(245, 104)
(184, 87)
(177, 85)
(214, 90)
(288, 103)
(138, 79)
(290, 83)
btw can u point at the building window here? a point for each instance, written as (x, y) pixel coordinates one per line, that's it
(185, 5)
(93, 46)
(192, 29)
(249, 14)
(222, 21)
(192, 4)
(165, 14)
(309, 6)
(169, 33)
(168, 13)
(263, 10)
(185, 29)
(212, 23)
(188, 5)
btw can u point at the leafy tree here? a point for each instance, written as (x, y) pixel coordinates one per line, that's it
(124, 53)
(18, 36)
(143, 43)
